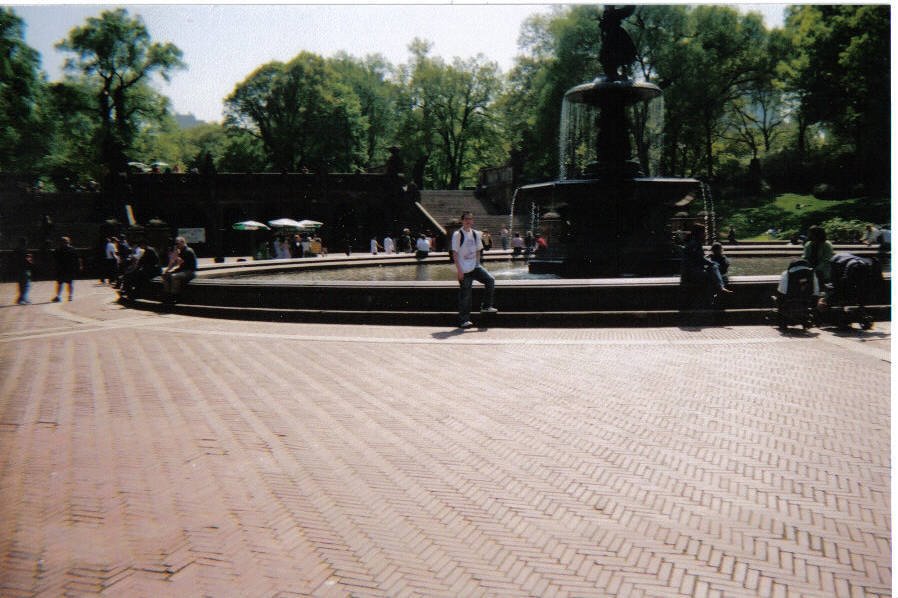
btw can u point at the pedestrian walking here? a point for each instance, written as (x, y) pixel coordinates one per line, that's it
(23, 262)
(68, 264)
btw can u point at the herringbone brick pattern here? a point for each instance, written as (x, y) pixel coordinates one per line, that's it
(161, 455)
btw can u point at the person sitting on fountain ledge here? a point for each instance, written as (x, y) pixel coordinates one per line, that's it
(467, 245)
(180, 272)
(696, 267)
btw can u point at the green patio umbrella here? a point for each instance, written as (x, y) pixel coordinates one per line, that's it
(249, 225)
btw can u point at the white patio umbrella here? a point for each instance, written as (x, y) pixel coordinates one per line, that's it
(313, 224)
(249, 225)
(284, 223)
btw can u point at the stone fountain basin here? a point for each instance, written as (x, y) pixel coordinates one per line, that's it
(556, 302)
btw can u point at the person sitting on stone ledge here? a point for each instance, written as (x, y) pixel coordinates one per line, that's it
(180, 272)
(147, 268)
(723, 262)
(696, 267)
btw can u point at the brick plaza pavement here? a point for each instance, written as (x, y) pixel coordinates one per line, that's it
(146, 454)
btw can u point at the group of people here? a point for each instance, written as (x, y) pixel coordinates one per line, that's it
(421, 244)
(67, 262)
(296, 246)
(118, 257)
(818, 257)
(425, 242)
(134, 268)
(130, 269)
(145, 265)
(529, 245)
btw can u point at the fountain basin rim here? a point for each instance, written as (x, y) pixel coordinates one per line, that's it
(224, 271)
(602, 88)
(531, 303)
(600, 180)
(560, 283)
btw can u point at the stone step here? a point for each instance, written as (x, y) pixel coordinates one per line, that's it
(447, 205)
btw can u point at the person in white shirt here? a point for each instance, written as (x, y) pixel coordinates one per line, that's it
(389, 246)
(110, 264)
(467, 245)
(422, 246)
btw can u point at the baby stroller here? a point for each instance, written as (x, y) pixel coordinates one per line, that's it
(796, 296)
(854, 283)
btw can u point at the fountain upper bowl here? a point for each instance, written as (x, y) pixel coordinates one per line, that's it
(602, 89)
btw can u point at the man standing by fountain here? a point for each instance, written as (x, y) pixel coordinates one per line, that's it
(467, 245)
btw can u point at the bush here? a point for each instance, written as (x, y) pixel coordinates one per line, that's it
(843, 231)
(825, 191)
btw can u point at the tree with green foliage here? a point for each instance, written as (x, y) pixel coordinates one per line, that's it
(24, 128)
(839, 71)
(757, 118)
(116, 58)
(302, 113)
(450, 114)
(369, 78)
(72, 153)
(728, 50)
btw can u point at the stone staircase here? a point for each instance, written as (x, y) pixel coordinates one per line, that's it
(446, 206)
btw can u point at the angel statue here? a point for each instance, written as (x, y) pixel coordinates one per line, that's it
(618, 51)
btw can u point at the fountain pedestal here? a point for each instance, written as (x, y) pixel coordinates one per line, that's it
(611, 226)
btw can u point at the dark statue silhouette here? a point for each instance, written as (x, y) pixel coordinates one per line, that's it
(618, 51)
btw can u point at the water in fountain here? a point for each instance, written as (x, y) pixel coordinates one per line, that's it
(501, 270)
(511, 215)
(710, 216)
(578, 136)
(576, 139)
(534, 217)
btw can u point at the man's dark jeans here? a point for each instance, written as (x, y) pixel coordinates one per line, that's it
(465, 292)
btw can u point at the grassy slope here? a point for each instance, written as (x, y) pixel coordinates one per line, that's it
(793, 212)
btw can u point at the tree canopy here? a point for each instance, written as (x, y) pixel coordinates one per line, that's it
(303, 114)
(116, 58)
(23, 138)
(809, 101)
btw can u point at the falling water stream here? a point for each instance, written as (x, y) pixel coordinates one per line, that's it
(710, 216)
(511, 214)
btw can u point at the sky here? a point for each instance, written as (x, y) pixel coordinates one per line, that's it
(222, 44)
